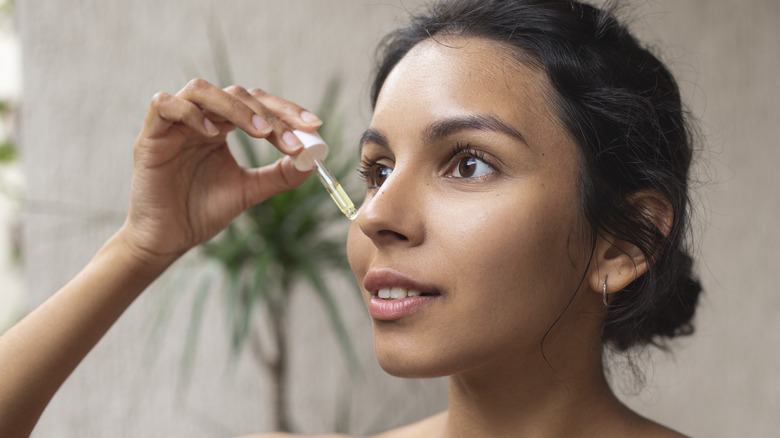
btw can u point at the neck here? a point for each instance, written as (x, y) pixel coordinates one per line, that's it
(531, 398)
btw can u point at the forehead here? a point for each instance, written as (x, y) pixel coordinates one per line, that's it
(455, 75)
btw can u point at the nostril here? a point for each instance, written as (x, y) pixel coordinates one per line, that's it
(393, 234)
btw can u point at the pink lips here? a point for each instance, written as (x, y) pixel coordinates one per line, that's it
(391, 310)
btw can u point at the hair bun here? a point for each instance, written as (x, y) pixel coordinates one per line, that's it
(669, 314)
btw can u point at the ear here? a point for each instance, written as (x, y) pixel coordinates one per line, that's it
(618, 262)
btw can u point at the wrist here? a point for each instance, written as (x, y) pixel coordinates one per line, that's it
(124, 244)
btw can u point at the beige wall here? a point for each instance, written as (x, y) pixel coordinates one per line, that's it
(723, 382)
(90, 68)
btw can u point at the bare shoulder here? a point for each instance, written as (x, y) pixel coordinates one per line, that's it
(292, 435)
(664, 432)
(431, 426)
(645, 427)
(421, 429)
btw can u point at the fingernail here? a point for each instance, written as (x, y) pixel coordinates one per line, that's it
(261, 125)
(310, 118)
(293, 142)
(210, 127)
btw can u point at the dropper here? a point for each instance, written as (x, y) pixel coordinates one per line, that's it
(313, 157)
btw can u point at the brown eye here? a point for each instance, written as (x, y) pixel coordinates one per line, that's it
(377, 175)
(467, 166)
(472, 167)
(374, 173)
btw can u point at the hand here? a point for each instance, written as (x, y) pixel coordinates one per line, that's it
(186, 184)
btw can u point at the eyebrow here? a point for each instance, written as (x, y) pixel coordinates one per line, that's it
(375, 136)
(480, 122)
(443, 128)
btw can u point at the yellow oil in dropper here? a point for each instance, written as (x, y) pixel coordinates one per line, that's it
(314, 152)
(337, 193)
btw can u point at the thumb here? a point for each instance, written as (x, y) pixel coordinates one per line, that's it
(264, 182)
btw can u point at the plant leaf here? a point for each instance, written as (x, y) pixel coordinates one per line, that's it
(7, 152)
(193, 333)
(316, 281)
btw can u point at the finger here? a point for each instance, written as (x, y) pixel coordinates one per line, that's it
(283, 119)
(283, 112)
(275, 178)
(280, 134)
(215, 100)
(165, 110)
(290, 113)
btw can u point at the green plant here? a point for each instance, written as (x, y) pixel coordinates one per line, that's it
(275, 247)
(287, 243)
(8, 151)
(10, 194)
(7, 146)
(6, 6)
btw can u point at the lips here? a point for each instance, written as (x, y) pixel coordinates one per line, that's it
(395, 295)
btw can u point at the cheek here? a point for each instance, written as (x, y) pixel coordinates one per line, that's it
(508, 243)
(489, 226)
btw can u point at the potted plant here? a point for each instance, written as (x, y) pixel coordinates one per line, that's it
(295, 240)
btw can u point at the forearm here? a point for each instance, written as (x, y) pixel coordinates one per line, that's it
(186, 188)
(40, 352)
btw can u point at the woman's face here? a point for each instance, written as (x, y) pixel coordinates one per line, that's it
(468, 216)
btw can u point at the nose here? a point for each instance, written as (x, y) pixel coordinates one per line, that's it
(392, 216)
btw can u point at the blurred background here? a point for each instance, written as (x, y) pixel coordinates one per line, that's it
(198, 355)
(11, 301)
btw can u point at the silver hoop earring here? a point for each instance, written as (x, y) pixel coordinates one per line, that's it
(604, 293)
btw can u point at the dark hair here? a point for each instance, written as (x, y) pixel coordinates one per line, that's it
(623, 108)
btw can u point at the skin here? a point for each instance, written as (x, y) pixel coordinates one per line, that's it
(491, 245)
(488, 229)
(498, 244)
(186, 187)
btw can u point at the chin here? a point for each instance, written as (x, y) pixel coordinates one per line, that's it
(409, 360)
(409, 368)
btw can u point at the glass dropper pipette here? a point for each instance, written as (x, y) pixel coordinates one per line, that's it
(335, 190)
(313, 157)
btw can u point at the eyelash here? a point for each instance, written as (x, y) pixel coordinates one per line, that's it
(462, 150)
(366, 166)
(459, 151)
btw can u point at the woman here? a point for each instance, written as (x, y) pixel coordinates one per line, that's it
(526, 208)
